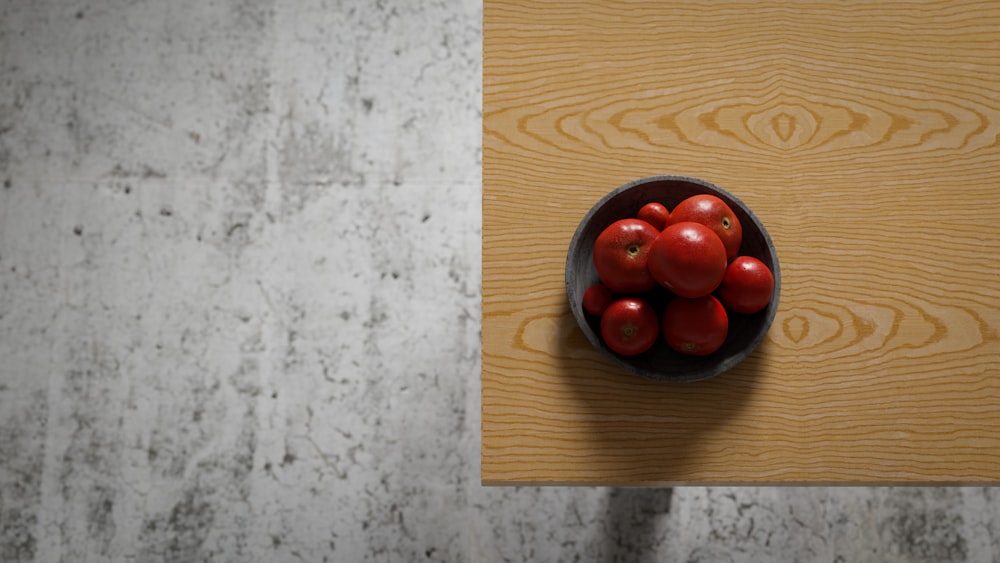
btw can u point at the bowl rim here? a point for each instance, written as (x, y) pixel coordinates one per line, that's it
(621, 362)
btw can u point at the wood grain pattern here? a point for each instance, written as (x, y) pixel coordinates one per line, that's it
(867, 139)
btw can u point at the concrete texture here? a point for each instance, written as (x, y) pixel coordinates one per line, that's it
(239, 310)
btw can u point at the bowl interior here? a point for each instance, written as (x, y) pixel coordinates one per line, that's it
(662, 363)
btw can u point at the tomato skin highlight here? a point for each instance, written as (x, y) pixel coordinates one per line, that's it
(596, 299)
(630, 326)
(655, 214)
(715, 214)
(620, 255)
(688, 258)
(696, 327)
(747, 286)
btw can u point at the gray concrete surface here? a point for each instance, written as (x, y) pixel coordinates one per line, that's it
(239, 310)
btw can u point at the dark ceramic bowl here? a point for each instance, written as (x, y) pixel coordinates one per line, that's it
(661, 362)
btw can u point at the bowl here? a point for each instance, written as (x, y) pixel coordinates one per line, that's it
(662, 363)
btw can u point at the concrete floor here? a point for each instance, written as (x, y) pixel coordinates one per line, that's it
(239, 317)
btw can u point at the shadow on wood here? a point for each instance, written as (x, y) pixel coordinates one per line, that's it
(644, 431)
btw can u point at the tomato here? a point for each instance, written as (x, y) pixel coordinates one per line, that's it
(620, 255)
(596, 299)
(747, 286)
(696, 327)
(712, 212)
(688, 259)
(630, 326)
(655, 214)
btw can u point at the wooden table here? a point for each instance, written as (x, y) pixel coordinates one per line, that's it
(866, 136)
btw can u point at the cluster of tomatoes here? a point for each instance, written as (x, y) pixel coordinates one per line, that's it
(693, 252)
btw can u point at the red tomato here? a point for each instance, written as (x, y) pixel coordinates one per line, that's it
(596, 299)
(716, 215)
(620, 255)
(629, 326)
(696, 327)
(655, 214)
(688, 259)
(747, 286)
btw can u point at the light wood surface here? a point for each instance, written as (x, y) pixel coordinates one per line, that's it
(866, 136)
